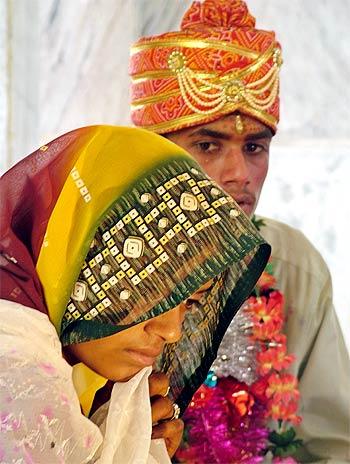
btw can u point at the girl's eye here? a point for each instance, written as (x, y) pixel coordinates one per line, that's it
(191, 305)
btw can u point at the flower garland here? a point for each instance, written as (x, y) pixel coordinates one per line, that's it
(226, 421)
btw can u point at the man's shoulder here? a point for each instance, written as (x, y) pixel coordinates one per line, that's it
(291, 245)
(280, 231)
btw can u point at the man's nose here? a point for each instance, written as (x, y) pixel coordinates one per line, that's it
(235, 169)
(168, 325)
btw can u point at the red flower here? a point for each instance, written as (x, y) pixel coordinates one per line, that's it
(267, 330)
(237, 395)
(201, 397)
(266, 314)
(258, 388)
(276, 356)
(284, 411)
(266, 308)
(282, 387)
(266, 281)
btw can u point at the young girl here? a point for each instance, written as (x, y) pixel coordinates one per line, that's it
(105, 232)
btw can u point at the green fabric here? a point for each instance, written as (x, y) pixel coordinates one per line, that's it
(172, 231)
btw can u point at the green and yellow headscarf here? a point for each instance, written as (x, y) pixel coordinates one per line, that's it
(121, 226)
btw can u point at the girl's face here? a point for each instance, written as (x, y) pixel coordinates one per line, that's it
(119, 357)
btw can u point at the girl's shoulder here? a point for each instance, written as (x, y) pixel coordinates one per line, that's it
(21, 325)
(38, 402)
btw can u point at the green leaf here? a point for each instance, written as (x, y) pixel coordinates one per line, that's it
(288, 450)
(269, 268)
(282, 438)
(258, 223)
(284, 451)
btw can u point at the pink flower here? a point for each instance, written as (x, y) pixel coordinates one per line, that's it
(28, 459)
(64, 399)
(88, 441)
(8, 422)
(4, 418)
(48, 368)
(287, 460)
(46, 413)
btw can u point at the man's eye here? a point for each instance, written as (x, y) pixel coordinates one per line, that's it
(207, 147)
(253, 148)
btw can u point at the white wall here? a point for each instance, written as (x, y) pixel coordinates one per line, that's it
(3, 86)
(67, 67)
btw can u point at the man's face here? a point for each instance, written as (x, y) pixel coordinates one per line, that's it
(238, 162)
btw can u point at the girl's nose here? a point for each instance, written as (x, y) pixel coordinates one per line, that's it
(168, 325)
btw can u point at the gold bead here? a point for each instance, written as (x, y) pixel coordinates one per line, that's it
(124, 294)
(177, 62)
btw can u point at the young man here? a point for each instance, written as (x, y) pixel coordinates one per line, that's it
(212, 88)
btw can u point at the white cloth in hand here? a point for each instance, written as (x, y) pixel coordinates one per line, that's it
(127, 428)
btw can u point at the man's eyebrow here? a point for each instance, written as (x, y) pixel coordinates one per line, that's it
(264, 134)
(204, 132)
(210, 133)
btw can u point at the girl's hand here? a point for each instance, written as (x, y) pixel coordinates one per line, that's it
(162, 411)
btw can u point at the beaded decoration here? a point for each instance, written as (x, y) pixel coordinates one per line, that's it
(213, 93)
(217, 64)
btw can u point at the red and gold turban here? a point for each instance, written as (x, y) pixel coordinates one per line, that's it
(217, 64)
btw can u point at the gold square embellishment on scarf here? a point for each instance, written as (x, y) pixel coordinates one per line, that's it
(188, 202)
(79, 291)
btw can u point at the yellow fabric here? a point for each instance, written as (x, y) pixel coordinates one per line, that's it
(70, 231)
(103, 164)
(99, 153)
(86, 383)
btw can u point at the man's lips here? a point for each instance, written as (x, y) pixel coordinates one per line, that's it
(245, 201)
(144, 357)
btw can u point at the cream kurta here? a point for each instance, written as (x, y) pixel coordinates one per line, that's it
(314, 336)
